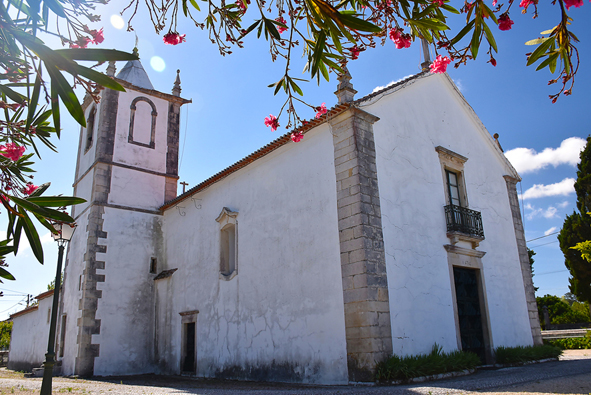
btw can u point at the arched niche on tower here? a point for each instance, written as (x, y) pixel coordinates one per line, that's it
(142, 122)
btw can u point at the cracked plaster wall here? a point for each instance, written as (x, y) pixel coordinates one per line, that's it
(281, 318)
(126, 307)
(412, 123)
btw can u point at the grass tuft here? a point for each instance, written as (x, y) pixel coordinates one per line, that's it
(522, 354)
(436, 362)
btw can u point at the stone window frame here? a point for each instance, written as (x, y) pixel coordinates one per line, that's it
(454, 162)
(188, 317)
(154, 114)
(228, 219)
(470, 259)
(90, 126)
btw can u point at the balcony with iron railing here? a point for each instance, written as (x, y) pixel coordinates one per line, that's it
(464, 224)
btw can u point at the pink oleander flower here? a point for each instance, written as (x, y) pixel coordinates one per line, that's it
(30, 188)
(272, 121)
(97, 36)
(81, 43)
(439, 65)
(321, 110)
(527, 3)
(493, 61)
(573, 3)
(505, 22)
(438, 2)
(296, 136)
(494, 3)
(355, 52)
(400, 39)
(281, 29)
(174, 38)
(12, 151)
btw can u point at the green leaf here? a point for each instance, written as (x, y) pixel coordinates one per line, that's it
(355, 23)
(251, 28)
(450, 9)
(5, 250)
(549, 31)
(56, 7)
(475, 43)
(55, 110)
(32, 235)
(551, 58)
(99, 78)
(489, 36)
(279, 84)
(540, 50)
(270, 27)
(55, 201)
(194, 4)
(462, 32)
(537, 41)
(15, 96)
(34, 101)
(45, 212)
(295, 87)
(65, 92)
(94, 54)
(4, 274)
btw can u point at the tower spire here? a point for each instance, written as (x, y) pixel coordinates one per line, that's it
(176, 89)
(345, 92)
(425, 65)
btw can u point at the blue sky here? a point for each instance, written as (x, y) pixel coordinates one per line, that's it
(231, 99)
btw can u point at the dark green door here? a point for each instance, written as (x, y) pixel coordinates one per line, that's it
(471, 332)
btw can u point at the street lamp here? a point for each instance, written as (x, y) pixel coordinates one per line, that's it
(62, 236)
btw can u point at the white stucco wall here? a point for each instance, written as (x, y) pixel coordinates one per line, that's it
(126, 306)
(153, 159)
(414, 121)
(30, 333)
(71, 294)
(281, 317)
(132, 188)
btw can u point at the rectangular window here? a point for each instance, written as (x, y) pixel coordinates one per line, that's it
(62, 336)
(453, 188)
(153, 265)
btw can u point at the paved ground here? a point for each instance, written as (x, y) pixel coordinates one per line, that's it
(572, 375)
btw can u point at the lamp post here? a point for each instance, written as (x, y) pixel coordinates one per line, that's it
(63, 235)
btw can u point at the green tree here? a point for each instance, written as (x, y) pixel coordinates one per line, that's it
(5, 331)
(577, 229)
(530, 254)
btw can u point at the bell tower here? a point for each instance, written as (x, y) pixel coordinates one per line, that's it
(127, 168)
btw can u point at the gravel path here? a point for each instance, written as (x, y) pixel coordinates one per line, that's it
(572, 375)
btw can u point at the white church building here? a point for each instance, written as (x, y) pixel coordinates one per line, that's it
(393, 225)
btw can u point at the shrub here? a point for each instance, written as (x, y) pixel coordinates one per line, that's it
(572, 343)
(436, 362)
(520, 354)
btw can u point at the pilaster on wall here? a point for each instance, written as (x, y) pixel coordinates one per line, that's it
(87, 323)
(363, 264)
(530, 296)
(172, 155)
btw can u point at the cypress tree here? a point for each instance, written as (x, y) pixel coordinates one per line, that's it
(577, 228)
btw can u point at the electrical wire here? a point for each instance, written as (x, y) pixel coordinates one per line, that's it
(541, 237)
(556, 271)
(10, 290)
(540, 245)
(16, 304)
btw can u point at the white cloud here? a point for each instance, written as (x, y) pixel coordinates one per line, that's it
(527, 160)
(550, 212)
(562, 188)
(563, 204)
(550, 231)
(459, 84)
(379, 88)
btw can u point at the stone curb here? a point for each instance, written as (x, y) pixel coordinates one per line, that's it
(431, 378)
(510, 365)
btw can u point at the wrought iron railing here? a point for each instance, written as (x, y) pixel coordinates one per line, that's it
(464, 220)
